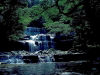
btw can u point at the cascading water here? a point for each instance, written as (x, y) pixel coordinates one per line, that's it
(35, 39)
(38, 39)
(34, 30)
(47, 58)
(11, 59)
(31, 45)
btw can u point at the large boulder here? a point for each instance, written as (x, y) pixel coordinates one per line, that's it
(30, 59)
(64, 42)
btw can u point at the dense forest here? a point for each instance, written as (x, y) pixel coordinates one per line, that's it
(59, 17)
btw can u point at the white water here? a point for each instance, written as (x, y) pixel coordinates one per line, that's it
(46, 58)
(39, 42)
(11, 59)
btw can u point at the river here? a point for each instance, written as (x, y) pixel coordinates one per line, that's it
(53, 68)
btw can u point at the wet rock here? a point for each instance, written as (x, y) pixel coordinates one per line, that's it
(30, 59)
(70, 57)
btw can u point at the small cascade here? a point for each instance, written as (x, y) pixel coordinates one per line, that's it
(11, 59)
(14, 61)
(37, 39)
(46, 58)
(34, 31)
(32, 45)
(39, 42)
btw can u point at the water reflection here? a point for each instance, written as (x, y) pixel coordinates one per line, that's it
(61, 68)
(28, 69)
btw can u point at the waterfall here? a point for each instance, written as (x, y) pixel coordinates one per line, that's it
(38, 39)
(39, 42)
(32, 45)
(47, 58)
(33, 31)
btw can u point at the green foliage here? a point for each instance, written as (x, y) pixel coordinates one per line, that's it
(55, 16)
(61, 16)
(66, 15)
(27, 15)
(36, 12)
(52, 12)
(62, 2)
(1, 8)
(55, 27)
(10, 25)
(24, 16)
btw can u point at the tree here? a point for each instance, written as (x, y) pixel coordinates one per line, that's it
(63, 16)
(10, 27)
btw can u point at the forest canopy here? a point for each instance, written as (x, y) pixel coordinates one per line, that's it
(60, 16)
(10, 28)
